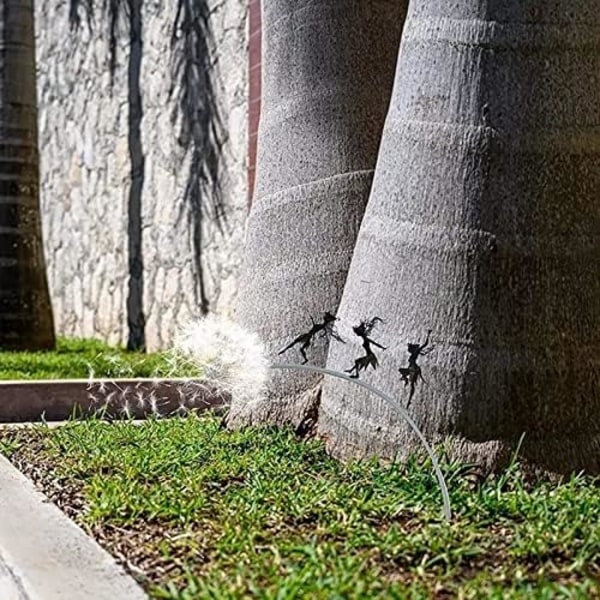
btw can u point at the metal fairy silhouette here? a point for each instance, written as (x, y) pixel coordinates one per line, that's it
(412, 374)
(326, 329)
(363, 331)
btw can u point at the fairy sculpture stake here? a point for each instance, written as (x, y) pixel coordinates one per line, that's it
(363, 331)
(412, 374)
(326, 329)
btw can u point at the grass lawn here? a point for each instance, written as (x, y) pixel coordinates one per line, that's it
(194, 511)
(78, 359)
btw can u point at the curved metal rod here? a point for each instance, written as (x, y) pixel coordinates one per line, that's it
(389, 400)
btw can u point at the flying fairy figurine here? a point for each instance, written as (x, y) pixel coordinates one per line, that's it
(412, 374)
(363, 331)
(326, 329)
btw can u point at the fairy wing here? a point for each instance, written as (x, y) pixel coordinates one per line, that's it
(370, 325)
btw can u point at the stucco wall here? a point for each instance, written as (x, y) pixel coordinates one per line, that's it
(85, 173)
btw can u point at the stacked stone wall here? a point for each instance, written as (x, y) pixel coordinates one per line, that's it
(85, 172)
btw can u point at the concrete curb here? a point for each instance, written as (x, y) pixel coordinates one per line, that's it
(59, 400)
(46, 556)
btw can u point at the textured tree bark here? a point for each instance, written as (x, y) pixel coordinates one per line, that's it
(26, 320)
(484, 226)
(328, 70)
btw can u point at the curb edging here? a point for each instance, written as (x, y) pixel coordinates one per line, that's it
(61, 399)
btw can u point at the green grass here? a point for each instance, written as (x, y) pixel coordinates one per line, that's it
(199, 512)
(78, 359)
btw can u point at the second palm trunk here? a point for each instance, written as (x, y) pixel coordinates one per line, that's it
(328, 70)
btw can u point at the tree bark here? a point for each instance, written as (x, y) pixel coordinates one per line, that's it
(26, 321)
(484, 226)
(328, 70)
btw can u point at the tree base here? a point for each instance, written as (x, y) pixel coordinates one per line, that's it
(537, 456)
(299, 412)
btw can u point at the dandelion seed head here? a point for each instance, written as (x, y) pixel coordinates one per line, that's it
(228, 356)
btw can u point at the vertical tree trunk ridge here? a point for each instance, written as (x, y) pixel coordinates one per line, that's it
(484, 225)
(25, 312)
(328, 70)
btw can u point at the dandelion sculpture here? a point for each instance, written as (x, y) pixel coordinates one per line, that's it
(235, 360)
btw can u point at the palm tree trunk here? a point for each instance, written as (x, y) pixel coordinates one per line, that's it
(25, 311)
(327, 75)
(484, 226)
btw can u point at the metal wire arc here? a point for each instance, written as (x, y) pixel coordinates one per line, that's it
(389, 400)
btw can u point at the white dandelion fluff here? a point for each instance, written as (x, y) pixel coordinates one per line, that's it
(227, 355)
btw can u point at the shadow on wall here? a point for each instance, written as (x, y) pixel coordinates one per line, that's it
(195, 114)
(201, 130)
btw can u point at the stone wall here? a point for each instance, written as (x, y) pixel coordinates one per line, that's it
(85, 173)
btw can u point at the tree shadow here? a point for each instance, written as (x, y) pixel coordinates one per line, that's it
(200, 132)
(130, 13)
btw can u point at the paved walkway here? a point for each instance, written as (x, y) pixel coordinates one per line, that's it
(45, 556)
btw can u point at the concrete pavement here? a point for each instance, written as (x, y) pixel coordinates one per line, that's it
(46, 556)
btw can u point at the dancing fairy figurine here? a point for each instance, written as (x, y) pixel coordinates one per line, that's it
(363, 331)
(412, 374)
(326, 329)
